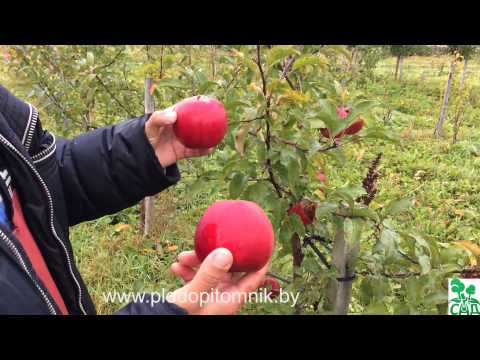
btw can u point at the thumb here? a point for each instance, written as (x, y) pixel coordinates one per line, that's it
(163, 118)
(212, 271)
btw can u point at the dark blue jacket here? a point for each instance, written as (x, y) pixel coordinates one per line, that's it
(62, 183)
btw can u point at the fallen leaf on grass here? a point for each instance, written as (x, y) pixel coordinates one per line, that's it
(470, 246)
(122, 227)
(172, 248)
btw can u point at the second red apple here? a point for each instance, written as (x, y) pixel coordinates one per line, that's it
(239, 226)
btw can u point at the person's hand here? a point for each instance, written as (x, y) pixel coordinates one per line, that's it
(226, 291)
(160, 134)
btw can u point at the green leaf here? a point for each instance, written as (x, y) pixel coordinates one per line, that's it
(397, 206)
(328, 114)
(196, 187)
(353, 233)
(381, 134)
(359, 108)
(424, 262)
(282, 172)
(339, 49)
(285, 234)
(317, 124)
(311, 265)
(296, 225)
(313, 60)
(172, 83)
(349, 193)
(293, 169)
(365, 212)
(257, 192)
(388, 244)
(261, 152)
(326, 208)
(280, 52)
(206, 86)
(237, 185)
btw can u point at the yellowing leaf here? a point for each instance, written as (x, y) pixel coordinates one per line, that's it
(473, 261)
(172, 248)
(459, 212)
(319, 193)
(360, 154)
(470, 246)
(237, 53)
(152, 88)
(122, 227)
(240, 138)
(292, 97)
(254, 87)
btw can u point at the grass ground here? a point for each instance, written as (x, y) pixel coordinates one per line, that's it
(443, 178)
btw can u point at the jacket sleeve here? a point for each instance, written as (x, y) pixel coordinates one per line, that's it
(110, 169)
(147, 307)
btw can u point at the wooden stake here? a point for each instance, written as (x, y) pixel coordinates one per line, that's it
(148, 201)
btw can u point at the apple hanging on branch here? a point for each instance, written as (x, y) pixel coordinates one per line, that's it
(240, 226)
(272, 285)
(305, 209)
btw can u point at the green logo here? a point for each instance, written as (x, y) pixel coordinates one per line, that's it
(464, 296)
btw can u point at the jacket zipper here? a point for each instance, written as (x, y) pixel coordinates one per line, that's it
(32, 122)
(52, 227)
(45, 153)
(16, 253)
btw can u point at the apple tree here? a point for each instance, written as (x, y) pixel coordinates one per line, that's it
(291, 123)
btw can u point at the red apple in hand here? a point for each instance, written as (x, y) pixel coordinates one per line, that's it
(273, 285)
(305, 209)
(239, 226)
(201, 122)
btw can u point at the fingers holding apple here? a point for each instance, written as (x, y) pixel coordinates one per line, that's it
(187, 267)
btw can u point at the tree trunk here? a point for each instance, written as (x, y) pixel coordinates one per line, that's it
(396, 68)
(443, 111)
(340, 289)
(464, 74)
(297, 263)
(400, 65)
(160, 75)
(213, 56)
(147, 205)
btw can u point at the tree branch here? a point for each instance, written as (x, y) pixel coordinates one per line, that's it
(323, 259)
(110, 63)
(268, 134)
(278, 277)
(113, 95)
(295, 145)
